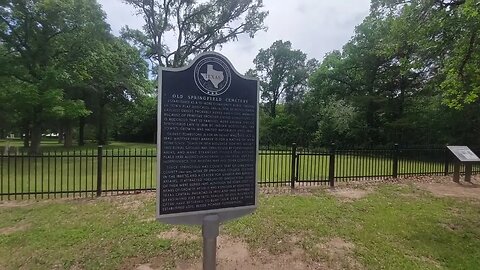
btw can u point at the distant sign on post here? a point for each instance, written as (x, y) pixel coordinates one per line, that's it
(464, 154)
(207, 142)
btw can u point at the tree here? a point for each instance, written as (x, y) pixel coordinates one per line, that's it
(405, 63)
(337, 121)
(461, 86)
(283, 74)
(116, 75)
(196, 27)
(447, 34)
(138, 121)
(38, 37)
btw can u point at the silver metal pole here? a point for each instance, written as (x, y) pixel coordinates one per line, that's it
(210, 231)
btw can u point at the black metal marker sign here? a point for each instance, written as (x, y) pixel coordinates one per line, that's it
(207, 142)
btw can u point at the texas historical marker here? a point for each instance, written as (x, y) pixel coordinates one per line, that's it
(207, 143)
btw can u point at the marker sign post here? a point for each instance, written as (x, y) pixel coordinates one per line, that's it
(464, 155)
(207, 146)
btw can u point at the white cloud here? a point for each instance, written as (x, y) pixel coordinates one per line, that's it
(313, 26)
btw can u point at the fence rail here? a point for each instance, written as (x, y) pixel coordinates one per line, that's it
(101, 171)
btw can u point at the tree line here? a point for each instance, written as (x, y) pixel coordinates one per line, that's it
(410, 73)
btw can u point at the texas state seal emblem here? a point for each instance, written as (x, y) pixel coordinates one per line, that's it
(212, 76)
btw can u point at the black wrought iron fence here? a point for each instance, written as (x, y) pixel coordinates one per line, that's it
(101, 171)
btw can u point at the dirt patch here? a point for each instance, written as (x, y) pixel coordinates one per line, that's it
(14, 229)
(298, 190)
(339, 254)
(138, 263)
(452, 189)
(234, 254)
(14, 204)
(145, 267)
(349, 193)
(177, 235)
(295, 239)
(364, 185)
(130, 204)
(422, 179)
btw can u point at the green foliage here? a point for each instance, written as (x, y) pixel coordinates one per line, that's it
(42, 40)
(196, 26)
(337, 121)
(462, 70)
(139, 121)
(407, 67)
(64, 65)
(282, 72)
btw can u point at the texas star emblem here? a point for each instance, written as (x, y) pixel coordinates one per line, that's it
(215, 76)
(212, 76)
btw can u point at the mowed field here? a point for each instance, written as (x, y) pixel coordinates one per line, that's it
(415, 224)
(128, 166)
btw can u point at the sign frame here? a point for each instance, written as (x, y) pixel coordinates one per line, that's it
(198, 217)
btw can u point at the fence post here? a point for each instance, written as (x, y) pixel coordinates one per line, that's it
(446, 160)
(294, 157)
(395, 160)
(331, 169)
(99, 170)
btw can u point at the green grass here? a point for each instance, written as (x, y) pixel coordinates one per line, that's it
(395, 227)
(94, 234)
(53, 145)
(389, 228)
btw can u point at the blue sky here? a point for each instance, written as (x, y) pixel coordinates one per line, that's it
(313, 26)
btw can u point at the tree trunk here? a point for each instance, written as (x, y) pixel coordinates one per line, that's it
(68, 140)
(101, 136)
(273, 108)
(81, 132)
(60, 136)
(26, 137)
(36, 134)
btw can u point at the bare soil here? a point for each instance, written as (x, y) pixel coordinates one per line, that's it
(234, 254)
(339, 254)
(13, 204)
(177, 235)
(349, 194)
(129, 202)
(17, 228)
(452, 189)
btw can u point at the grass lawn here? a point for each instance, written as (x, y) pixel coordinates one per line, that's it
(392, 227)
(53, 145)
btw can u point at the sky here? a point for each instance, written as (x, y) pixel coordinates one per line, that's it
(316, 27)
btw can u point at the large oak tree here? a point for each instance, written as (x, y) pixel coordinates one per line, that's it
(175, 30)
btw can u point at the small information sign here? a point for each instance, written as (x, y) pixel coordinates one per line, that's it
(464, 154)
(207, 142)
(467, 157)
